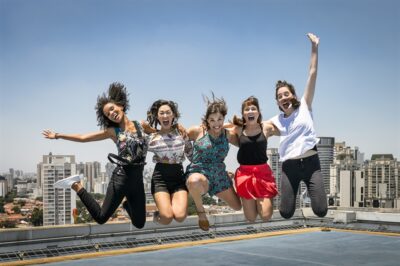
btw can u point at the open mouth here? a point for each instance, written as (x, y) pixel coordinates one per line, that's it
(115, 116)
(251, 118)
(165, 123)
(286, 105)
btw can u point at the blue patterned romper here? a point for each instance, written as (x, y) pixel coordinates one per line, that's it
(208, 159)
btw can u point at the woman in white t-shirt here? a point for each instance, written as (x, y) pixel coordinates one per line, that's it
(298, 140)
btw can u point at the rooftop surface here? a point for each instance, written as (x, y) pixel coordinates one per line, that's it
(303, 247)
(342, 238)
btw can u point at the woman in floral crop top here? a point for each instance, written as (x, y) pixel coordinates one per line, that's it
(169, 145)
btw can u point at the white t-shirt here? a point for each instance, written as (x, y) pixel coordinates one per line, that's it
(297, 132)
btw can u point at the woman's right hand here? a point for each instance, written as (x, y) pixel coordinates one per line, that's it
(49, 134)
(313, 38)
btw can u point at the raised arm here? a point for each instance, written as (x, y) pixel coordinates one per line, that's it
(95, 136)
(312, 76)
(147, 128)
(269, 129)
(233, 136)
(195, 132)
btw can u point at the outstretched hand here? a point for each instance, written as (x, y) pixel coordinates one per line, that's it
(48, 134)
(313, 38)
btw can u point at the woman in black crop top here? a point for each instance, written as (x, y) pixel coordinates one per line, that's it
(127, 178)
(254, 180)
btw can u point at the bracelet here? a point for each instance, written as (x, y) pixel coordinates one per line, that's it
(56, 135)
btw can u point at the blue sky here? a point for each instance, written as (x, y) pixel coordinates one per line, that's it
(57, 56)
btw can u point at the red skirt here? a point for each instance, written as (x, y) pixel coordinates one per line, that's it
(255, 182)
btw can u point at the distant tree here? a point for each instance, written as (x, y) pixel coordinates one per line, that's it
(83, 214)
(207, 200)
(2, 202)
(37, 217)
(98, 196)
(39, 198)
(7, 224)
(16, 209)
(10, 196)
(191, 206)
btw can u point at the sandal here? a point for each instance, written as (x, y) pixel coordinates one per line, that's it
(203, 224)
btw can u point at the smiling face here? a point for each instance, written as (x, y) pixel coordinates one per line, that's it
(215, 123)
(284, 98)
(165, 117)
(250, 114)
(113, 112)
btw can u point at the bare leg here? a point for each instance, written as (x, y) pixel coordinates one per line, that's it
(163, 202)
(230, 197)
(265, 208)
(197, 185)
(179, 205)
(250, 209)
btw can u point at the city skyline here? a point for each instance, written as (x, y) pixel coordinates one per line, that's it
(57, 57)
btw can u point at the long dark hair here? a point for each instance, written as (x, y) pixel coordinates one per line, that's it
(152, 113)
(249, 101)
(283, 83)
(118, 95)
(214, 105)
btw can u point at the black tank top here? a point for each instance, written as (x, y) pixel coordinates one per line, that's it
(252, 149)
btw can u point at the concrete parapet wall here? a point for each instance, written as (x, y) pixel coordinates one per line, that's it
(378, 217)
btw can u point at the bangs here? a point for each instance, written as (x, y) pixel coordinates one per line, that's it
(251, 101)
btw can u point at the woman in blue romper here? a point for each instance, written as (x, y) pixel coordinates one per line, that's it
(207, 172)
(127, 178)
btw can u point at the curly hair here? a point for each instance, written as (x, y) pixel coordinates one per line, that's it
(214, 106)
(284, 83)
(249, 101)
(152, 113)
(118, 95)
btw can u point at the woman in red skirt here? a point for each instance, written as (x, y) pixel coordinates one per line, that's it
(254, 180)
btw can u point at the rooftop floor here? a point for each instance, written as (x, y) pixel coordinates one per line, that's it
(343, 240)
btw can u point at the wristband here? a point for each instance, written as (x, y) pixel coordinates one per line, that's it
(56, 135)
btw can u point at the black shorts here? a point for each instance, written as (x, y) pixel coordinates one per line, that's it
(168, 178)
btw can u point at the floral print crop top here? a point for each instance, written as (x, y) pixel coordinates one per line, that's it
(170, 148)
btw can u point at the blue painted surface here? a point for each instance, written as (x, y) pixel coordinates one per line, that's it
(315, 248)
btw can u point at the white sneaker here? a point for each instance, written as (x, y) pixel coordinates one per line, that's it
(68, 181)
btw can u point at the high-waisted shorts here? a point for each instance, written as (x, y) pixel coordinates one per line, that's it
(168, 178)
(255, 182)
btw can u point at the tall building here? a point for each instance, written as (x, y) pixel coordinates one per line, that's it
(58, 204)
(325, 148)
(276, 167)
(39, 176)
(3, 186)
(101, 183)
(352, 188)
(346, 182)
(92, 173)
(382, 181)
(11, 179)
(109, 169)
